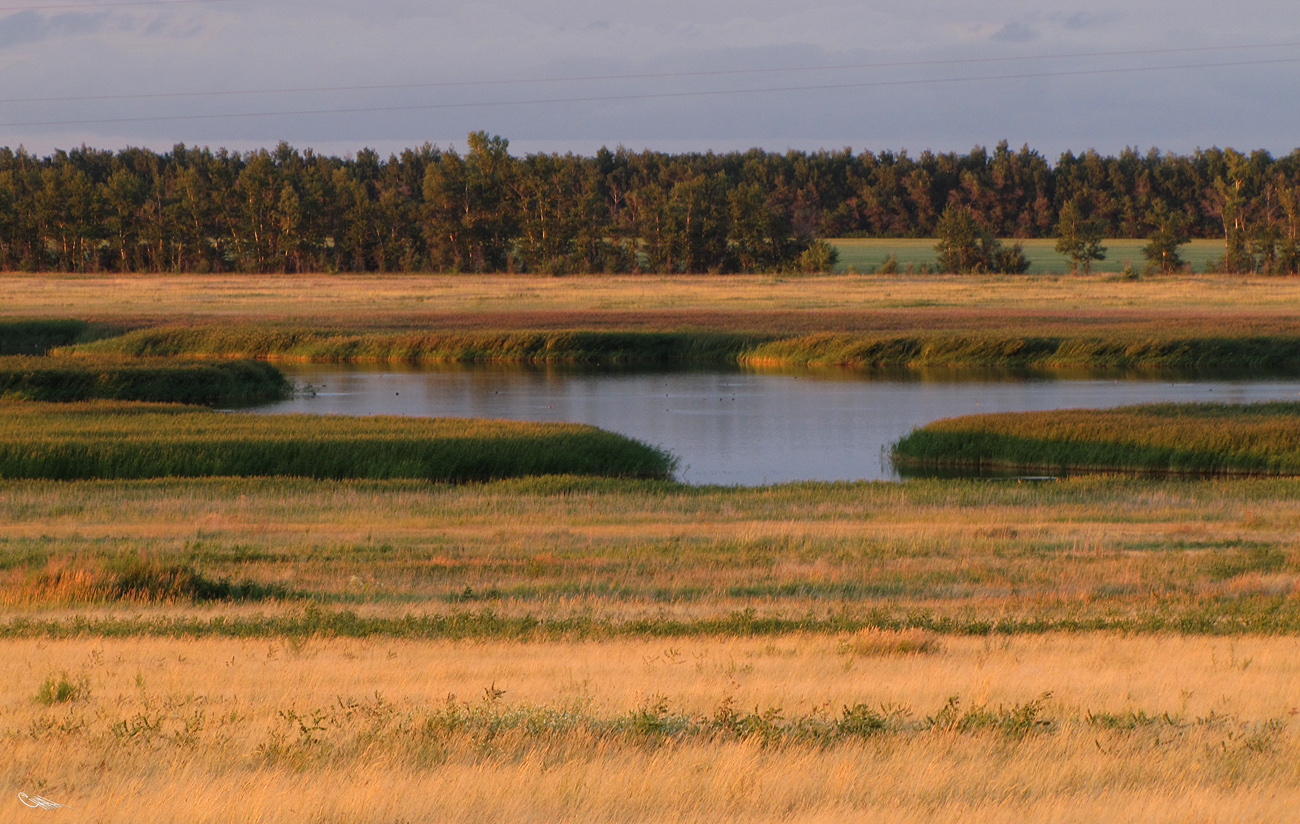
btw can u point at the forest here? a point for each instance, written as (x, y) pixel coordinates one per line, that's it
(484, 210)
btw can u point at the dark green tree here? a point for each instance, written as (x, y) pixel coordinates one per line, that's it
(963, 244)
(1078, 239)
(1170, 234)
(966, 247)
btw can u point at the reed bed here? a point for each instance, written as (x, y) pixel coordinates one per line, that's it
(1202, 438)
(37, 336)
(158, 380)
(941, 348)
(108, 440)
(518, 346)
(1122, 350)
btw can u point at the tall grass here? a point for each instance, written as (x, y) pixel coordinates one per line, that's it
(1165, 351)
(1203, 438)
(107, 440)
(1118, 349)
(1060, 728)
(38, 336)
(522, 346)
(66, 379)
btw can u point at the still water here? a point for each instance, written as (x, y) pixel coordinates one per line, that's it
(739, 426)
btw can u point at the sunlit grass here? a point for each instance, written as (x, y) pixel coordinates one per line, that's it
(742, 303)
(577, 557)
(1201, 438)
(119, 440)
(1181, 349)
(1054, 727)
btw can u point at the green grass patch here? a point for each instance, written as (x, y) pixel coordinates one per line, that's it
(115, 440)
(68, 379)
(1256, 615)
(868, 255)
(1202, 438)
(62, 689)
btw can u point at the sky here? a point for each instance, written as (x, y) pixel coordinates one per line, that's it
(668, 75)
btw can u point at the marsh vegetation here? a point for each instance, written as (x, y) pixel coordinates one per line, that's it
(1188, 438)
(393, 647)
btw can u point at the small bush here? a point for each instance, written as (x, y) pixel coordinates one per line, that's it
(62, 690)
(875, 643)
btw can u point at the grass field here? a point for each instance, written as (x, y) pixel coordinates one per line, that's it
(1055, 728)
(866, 255)
(660, 714)
(621, 558)
(370, 303)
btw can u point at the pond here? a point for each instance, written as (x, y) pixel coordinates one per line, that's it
(740, 426)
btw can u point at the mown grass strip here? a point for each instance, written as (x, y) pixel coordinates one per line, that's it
(114, 440)
(69, 379)
(857, 350)
(1202, 439)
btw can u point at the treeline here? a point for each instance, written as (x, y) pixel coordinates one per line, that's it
(431, 209)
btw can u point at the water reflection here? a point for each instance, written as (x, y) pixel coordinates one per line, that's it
(743, 426)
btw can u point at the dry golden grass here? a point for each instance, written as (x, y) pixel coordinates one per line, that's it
(760, 303)
(242, 731)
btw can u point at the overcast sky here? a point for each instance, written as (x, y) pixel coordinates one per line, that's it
(672, 75)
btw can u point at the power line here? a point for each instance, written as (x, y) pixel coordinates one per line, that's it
(651, 96)
(647, 76)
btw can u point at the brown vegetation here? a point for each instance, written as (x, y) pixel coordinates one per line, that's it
(1048, 728)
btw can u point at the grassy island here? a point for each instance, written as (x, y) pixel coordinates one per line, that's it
(1165, 438)
(118, 440)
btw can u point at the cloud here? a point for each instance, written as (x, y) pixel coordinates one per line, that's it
(34, 27)
(1015, 33)
(1085, 20)
(908, 93)
(23, 27)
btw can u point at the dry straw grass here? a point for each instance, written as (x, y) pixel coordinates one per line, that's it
(760, 303)
(1150, 729)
